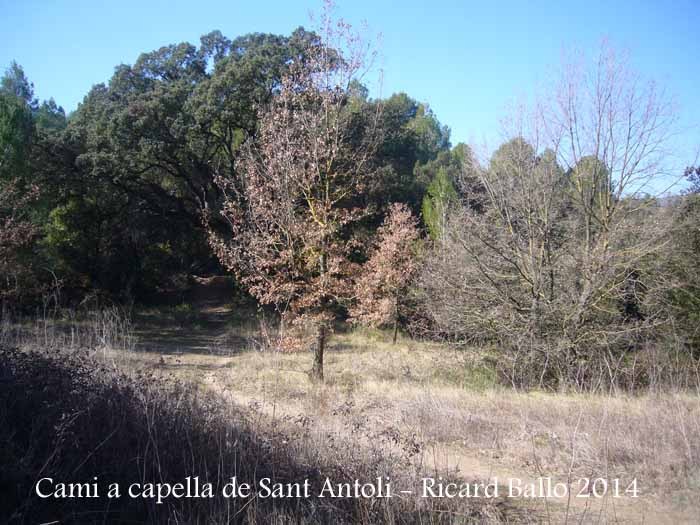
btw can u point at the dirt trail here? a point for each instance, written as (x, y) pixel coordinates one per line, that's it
(191, 322)
(476, 466)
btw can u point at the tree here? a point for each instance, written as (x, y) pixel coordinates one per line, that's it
(18, 191)
(133, 171)
(681, 263)
(441, 197)
(295, 193)
(692, 173)
(612, 130)
(551, 262)
(382, 289)
(16, 83)
(16, 234)
(496, 253)
(412, 136)
(16, 123)
(450, 178)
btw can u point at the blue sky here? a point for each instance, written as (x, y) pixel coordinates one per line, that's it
(468, 60)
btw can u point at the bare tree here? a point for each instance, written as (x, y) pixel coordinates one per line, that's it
(557, 258)
(612, 132)
(382, 289)
(293, 207)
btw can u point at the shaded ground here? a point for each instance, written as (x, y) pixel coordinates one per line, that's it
(194, 322)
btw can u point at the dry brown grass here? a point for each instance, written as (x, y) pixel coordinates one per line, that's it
(439, 410)
(443, 405)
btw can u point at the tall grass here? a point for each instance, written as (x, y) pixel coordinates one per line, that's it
(72, 417)
(108, 328)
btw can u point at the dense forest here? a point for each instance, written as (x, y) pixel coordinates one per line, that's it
(265, 156)
(111, 198)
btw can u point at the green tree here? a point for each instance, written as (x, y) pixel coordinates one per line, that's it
(412, 136)
(16, 122)
(440, 199)
(135, 167)
(17, 191)
(682, 264)
(461, 174)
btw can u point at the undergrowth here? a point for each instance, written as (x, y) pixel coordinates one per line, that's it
(73, 418)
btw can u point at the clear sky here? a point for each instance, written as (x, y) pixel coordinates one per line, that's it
(467, 59)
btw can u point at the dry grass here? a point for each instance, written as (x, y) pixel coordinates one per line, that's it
(106, 329)
(444, 406)
(431, 408)
(74, 418)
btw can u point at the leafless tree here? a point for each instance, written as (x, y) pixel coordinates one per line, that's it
(557, 260)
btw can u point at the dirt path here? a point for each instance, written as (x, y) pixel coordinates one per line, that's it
(213, 372)
(191, 322)
(676, 508)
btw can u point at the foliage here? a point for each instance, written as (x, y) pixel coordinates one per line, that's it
(440, 198)
(681, 260)
(451, 177)
(560, 267)
(412, 136)
(381, 290)
(127, 177)
(72, 418)
(17, 190)
(266, 155)
(16, 236)
(16, 125)
(294, 199)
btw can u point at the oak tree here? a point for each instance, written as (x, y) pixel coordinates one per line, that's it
(382, 289)
(295, 196)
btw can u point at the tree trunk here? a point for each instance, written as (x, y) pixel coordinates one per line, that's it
(317, 370)
(396, 320)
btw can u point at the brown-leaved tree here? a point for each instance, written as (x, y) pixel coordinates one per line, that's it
(297, 193)
(382, 289)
